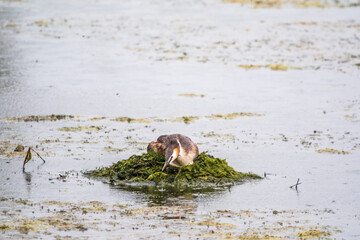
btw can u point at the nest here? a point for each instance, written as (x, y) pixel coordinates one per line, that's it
(144, 168)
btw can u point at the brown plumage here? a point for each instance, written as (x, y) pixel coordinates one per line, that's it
(178, 149)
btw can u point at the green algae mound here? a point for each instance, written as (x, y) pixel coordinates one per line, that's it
(147, 167)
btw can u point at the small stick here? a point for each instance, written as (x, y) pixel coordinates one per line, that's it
(296, 185)
(28, 157)
(218, 181)
(38, 154)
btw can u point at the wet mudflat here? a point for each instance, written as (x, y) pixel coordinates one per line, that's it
(273, 88)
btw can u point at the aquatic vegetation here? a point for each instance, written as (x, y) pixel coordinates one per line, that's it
(33, 118)
(234, 115)
(191, 95)
(331, 150)
(97, 118)
(349, 116)
(111, 149)
(227, 235)
(50, 140)
(56, 217)
(219, 137)
(250, 66)
(216, 224)
(274, 67)
(4, 227)
(95, 206)
(147, 168)
(312, 234)
(129, 120)
(297, 3)
(277, 67)
(13, 153)
(19, 148)
(80, 128)
(41, 23)
(188, 119)
(273, 3)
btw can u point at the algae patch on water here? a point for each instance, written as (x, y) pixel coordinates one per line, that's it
(313, 234)
(33, 118)
(80, 128)
(147, 167)
(275, 67)
(331, 150)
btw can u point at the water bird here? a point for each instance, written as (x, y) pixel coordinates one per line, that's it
(179, 150)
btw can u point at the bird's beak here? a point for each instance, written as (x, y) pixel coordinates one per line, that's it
(166, 163)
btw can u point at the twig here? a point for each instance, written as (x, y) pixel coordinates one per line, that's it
(219, 181)
(296, 185)
(28, 157)
(37, 154)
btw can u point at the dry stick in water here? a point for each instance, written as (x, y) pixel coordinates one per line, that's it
(38, 154)
(28, 157)
(296, 185)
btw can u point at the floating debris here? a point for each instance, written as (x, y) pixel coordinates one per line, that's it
(33, 118)
(188, 119)
(111, 149)
(147, 168)
(41, 23)
(297, 3)
(234, 115)
(275, 67)
(250, 66)
(216, 224)
(185, 119)
(313, 234)
(80, 128)
(129, 120)
(331, 150)
(4, 227)
(278, 67)
(191, 95)
(349, 116)
(97, 118)
(19, 148)
(296, 185)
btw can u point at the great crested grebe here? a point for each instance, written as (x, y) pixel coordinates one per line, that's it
(178, 149)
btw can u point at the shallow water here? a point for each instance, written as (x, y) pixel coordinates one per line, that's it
(135, 59)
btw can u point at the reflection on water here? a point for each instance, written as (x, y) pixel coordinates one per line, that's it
(27, 177)
(170, 195)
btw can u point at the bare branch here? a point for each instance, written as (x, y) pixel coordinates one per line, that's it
(296, 185)
(38, 154)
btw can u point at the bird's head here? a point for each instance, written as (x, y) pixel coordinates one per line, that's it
(171, 153)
